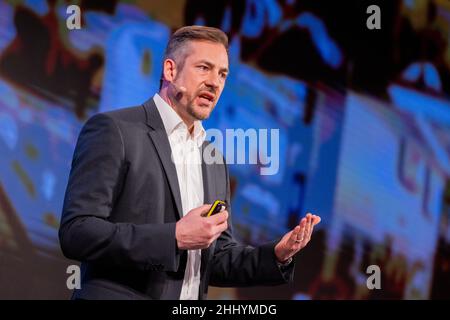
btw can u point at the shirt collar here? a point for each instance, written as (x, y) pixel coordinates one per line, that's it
(173, 122)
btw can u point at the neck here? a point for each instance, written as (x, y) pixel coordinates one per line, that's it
(172, 102)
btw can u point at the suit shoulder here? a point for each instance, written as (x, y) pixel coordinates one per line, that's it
(120, 119)
(129, 114)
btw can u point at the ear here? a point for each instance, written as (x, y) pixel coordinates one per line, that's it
(169, 70)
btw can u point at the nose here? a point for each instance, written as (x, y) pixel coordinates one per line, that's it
(213, 81)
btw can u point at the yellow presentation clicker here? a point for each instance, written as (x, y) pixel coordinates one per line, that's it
(217, 206)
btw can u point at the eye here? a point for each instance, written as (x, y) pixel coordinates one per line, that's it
(223, 75)
(203, 67)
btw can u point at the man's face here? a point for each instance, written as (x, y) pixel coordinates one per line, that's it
(203, 75)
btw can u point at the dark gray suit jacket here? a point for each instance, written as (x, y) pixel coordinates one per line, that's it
(120, 208)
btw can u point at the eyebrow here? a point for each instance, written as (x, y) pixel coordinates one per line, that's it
(211, 65)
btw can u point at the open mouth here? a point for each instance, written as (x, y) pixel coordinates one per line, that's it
(206, 97)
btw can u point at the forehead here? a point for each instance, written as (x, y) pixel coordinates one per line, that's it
(210, 51)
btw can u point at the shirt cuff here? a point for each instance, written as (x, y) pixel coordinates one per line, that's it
(285, 264)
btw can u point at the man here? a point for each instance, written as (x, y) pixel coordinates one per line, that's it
(133, 215)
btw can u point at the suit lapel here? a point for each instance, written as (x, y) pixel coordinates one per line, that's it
(209, 187)
(209, 178)
(160, 140)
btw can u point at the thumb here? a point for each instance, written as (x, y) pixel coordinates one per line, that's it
(202, 209)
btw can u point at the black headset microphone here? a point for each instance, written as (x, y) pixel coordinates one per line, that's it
(180, 90)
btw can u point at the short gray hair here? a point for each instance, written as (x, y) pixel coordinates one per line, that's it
(184, 35)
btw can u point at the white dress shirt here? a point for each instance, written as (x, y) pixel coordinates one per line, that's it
(187, 158)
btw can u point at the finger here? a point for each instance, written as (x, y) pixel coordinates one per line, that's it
(219, 218)
(203, 209)
(317, 220)
(301, 232)
(295, 234)
(218, 229)
(311, 226)
(307, 229)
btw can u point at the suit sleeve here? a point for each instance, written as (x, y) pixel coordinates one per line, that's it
(86, 233)
(239, 265)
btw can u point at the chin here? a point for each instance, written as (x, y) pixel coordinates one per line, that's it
(201, 113)
(202, 116)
